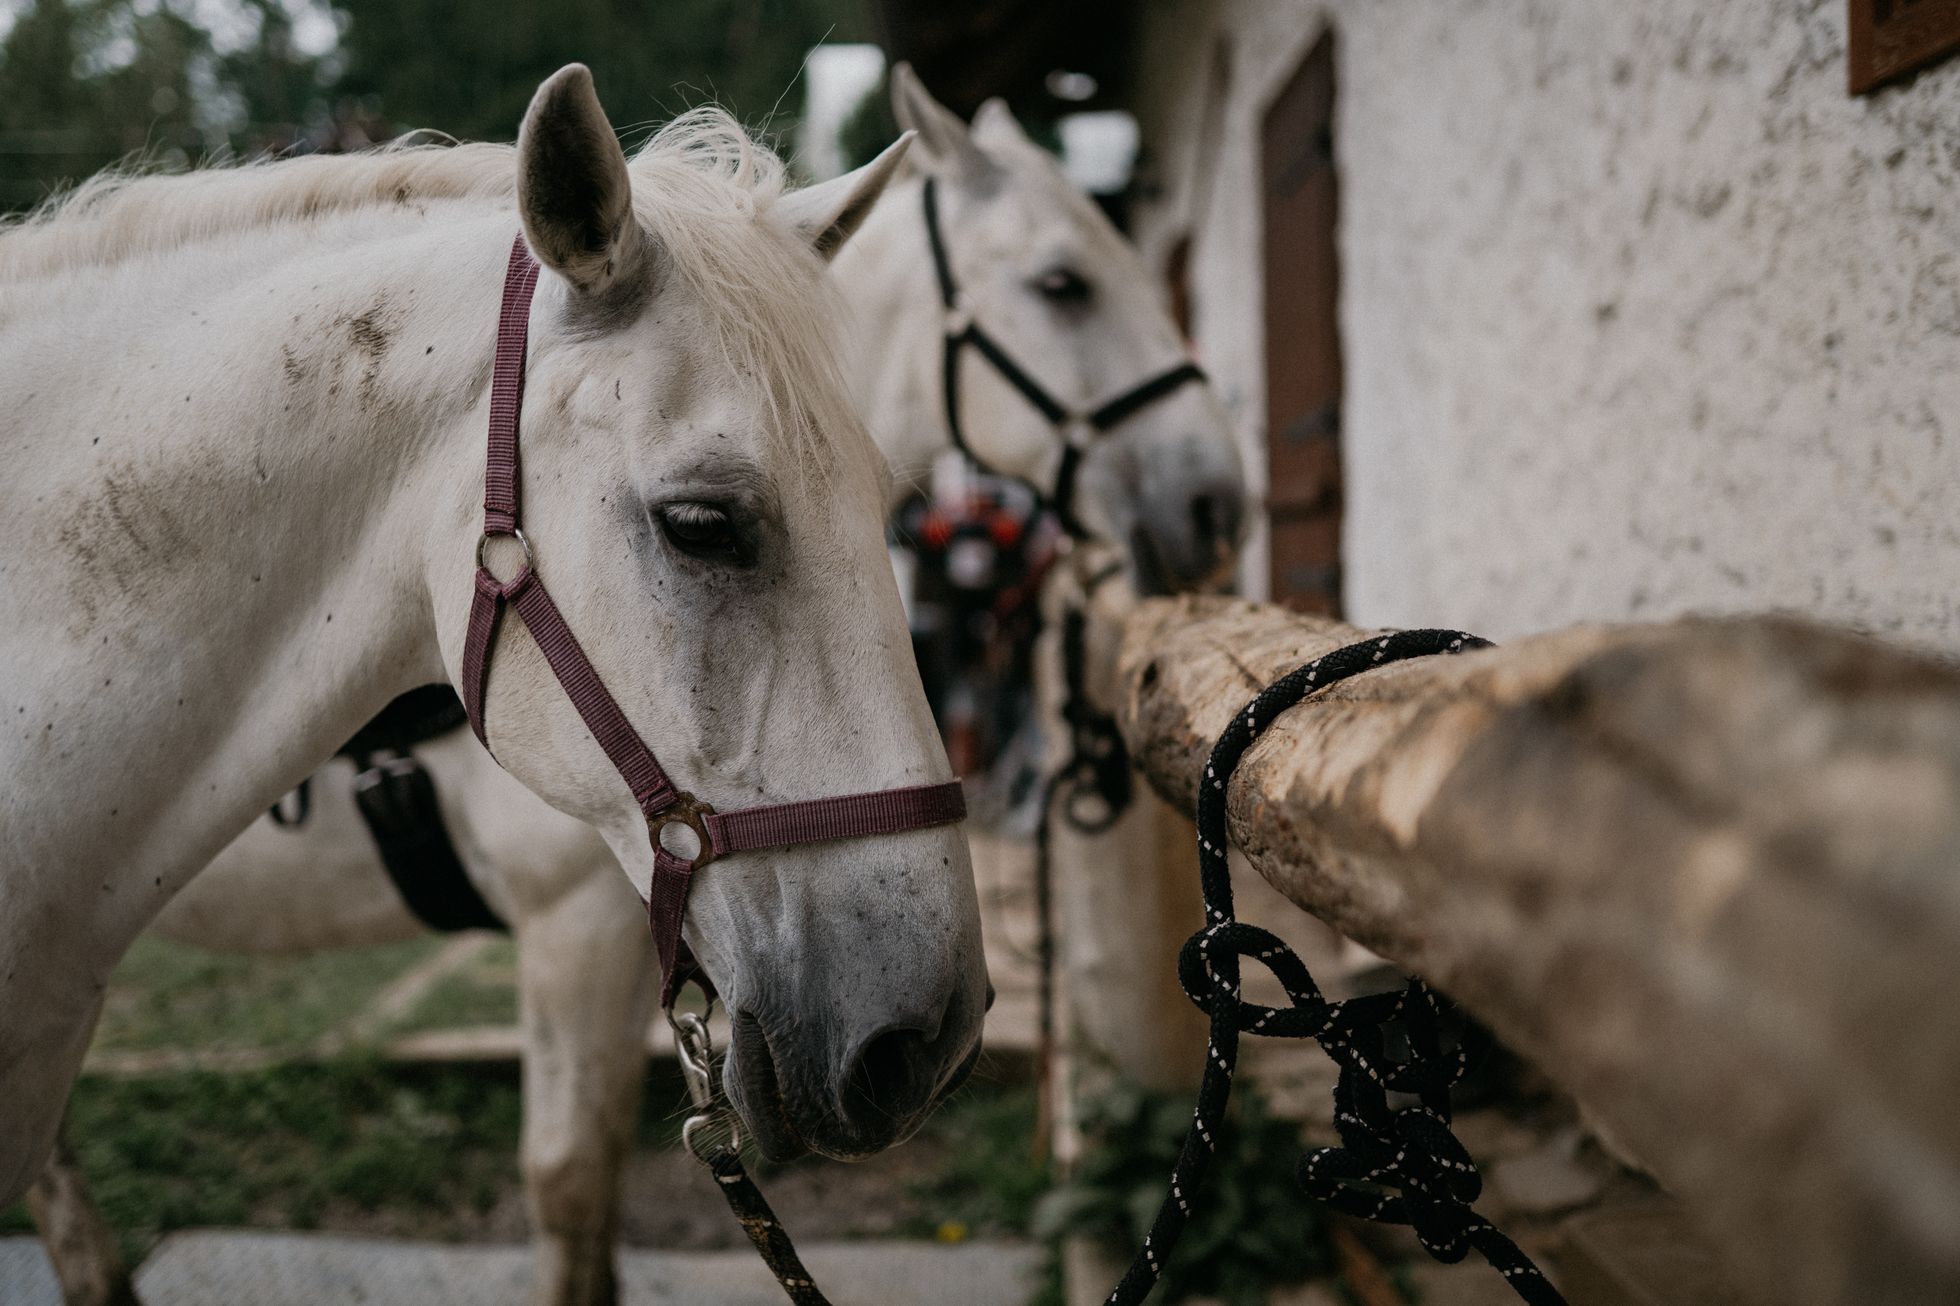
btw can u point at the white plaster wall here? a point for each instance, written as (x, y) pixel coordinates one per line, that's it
(1642, 313)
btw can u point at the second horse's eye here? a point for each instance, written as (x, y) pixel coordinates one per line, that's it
(1062, 286)
(701, 529)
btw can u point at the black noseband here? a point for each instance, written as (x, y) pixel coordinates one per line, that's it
(1077, 430)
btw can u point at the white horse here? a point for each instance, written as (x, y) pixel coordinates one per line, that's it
(1057, 285)
(1038, 267)
(244, 432)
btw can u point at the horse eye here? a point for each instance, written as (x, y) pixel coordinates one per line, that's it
(701, 529)
(1062, 286)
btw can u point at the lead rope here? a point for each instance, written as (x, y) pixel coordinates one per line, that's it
(713, 1135)
(1395, 1165)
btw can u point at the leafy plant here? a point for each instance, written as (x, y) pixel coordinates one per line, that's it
(1251, 1228)
(990, 1181)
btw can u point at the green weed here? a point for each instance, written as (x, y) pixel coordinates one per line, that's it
(1251, 1228)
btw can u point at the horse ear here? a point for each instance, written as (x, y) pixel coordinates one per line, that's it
(944, 142)
(996, 127)
(828, 213)
(573, 191)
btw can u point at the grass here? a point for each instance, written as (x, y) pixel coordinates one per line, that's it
(990, 1181)
(432, 1148)
(1252, 1230)
(168, 996)
(483, 993)
(281, 1145)
(354, 1140)
(299, 1145)
(286, 1144)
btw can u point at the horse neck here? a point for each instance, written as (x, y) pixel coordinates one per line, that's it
(231, 571)
(886, 277)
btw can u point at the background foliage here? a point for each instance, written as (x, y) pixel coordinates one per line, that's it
(89, 82)
(1254, 1228)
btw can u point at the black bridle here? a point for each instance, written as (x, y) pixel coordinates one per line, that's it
(1077, 429)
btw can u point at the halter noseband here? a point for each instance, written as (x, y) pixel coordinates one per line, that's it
(1077, 429)
(886, 811)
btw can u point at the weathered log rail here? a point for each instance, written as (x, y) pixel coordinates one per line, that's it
(1705, 875)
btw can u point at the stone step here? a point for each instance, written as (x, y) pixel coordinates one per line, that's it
(25, 1275)
(218, 1267)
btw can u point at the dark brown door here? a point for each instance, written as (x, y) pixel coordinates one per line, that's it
(1303, 345)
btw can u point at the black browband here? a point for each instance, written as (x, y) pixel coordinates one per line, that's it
(961, 330)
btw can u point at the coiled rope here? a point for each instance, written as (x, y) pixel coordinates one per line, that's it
(1396, 1164)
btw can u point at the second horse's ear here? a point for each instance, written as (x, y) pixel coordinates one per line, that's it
(946, 146)
(828, 213)
(996, 127)
(574, 194)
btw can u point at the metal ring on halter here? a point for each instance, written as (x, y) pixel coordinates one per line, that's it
(484, 539)
(1088, 811)
(693, 813)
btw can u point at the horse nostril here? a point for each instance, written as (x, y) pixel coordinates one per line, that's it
(886, 1080)
(1215, 522)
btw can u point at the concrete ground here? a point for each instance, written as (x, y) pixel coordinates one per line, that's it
(220, 1268)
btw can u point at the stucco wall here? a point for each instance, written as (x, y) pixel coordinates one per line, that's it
(1642, 313)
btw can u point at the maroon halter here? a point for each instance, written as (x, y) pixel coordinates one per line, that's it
(886, 811)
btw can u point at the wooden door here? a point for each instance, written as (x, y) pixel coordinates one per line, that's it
(1303, 345)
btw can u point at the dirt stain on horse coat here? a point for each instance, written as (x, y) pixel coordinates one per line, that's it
(120, 535)
(370, 333)
(352, 341)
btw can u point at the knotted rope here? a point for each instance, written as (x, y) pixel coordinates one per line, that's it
(1397, 1165)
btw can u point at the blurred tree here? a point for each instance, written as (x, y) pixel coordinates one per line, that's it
(282, 94)
(51, 117)
(92, 82)
(469, 67)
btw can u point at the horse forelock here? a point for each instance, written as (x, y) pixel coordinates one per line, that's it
(707, 191)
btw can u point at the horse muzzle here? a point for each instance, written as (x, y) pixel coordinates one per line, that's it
(794, 1097)
(1186, 538)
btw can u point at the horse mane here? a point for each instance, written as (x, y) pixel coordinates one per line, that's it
(128, 211)
(703, 187)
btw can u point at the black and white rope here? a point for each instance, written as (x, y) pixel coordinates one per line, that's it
(712, 1134)
(759, 1222)
(1396, 1164)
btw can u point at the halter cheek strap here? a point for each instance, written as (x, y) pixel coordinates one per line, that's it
(720, 834)
(1078, 430)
